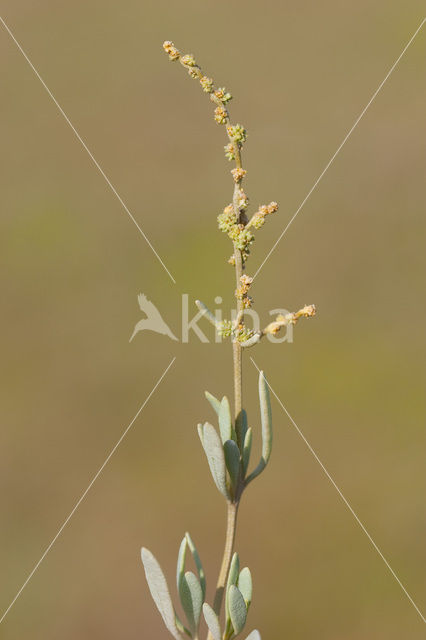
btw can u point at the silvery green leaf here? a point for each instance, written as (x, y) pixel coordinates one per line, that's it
(247, 449)
(232, 460)
(237, 609)
(197, 560)
(225, 420)
(215, 456)
(245, 585)
(160, 592)
(244, 425)
(266, 419)
(254, 635)
(191, 597)
(234, 571)
(181, 562)
(212, 621)
(215, 403)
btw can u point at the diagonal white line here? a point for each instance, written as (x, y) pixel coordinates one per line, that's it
(343, 498)
(84, 145)
(84, 494)
(329, 163)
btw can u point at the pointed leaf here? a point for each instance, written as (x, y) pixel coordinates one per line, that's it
(234, 571)
(232, 460)
(254, 635)
(245, 585)
(225, 420)
(180, 570)
(160, 592)
(247, 449)
(215, 403)
(197, 560)
(191, 597)
(215, 456)
(237, 609)
(212, 621)
(241, 426)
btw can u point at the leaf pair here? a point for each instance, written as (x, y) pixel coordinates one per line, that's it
(224, 454)
(191, 589)
(239, 590)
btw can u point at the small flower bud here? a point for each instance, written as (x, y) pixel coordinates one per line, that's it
(207, 84)
(246, 280)
(193, 72)
(238, 174)
(223, 95)
(220, 115)
(188, 60)
(230, 151)
(237, 133)
(170, 48)
(243, 201)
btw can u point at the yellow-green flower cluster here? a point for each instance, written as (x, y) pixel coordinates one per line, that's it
(242, 238)
(227, 220)
(258, 218)
(224, 328)
(237, 133)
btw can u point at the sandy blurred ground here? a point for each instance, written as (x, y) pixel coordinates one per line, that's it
(72, 264)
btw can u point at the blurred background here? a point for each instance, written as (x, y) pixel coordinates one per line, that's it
(72, 264)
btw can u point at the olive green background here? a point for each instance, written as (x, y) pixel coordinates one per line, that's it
(72, 264)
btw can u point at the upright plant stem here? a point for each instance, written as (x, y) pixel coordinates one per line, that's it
(231, 525)
(238, 405)
(227, 555)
